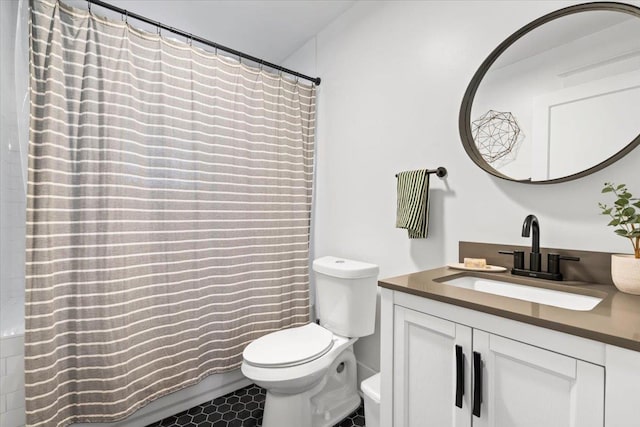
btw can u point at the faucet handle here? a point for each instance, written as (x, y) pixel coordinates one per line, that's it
(518, 258)
(553, 262)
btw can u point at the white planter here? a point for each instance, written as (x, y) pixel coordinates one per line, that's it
(625, 272)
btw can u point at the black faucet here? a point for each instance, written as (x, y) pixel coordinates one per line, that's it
(535, 259)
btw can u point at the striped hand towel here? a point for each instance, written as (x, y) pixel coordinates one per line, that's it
(413, 203)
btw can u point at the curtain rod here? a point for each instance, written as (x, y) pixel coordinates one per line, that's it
(189, 36)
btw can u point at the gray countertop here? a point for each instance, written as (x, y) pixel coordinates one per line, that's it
(615, 320)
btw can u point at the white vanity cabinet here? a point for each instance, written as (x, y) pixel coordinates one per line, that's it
(526, 386)
(529, 376)
(427, 351)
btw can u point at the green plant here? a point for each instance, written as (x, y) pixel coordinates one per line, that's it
(623, 214)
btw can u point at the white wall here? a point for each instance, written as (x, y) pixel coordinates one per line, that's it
(12, 404)
(12, 178)
(393, 76)
(12, 223)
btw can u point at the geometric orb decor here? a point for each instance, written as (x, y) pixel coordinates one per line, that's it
(496, 134)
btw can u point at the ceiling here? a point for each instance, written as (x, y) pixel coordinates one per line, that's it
(269, 29)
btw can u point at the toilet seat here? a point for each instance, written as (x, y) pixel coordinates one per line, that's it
(289, 347)
(300, 377)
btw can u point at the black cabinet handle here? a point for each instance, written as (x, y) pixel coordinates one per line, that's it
(477, 383)
(459, 376)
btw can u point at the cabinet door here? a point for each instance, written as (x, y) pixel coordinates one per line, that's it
(526, 386)
(426, 373)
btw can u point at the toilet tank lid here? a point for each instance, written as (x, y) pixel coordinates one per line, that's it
(344, 268)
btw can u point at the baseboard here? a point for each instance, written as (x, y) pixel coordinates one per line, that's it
(213, 386)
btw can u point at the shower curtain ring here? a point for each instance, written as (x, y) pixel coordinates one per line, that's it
(159, 27)
(89, 5)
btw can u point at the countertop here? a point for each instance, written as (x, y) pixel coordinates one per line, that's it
(615, 320)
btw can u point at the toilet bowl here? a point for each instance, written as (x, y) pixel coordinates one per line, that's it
(309, 372)
(272, 362)
(317, 391)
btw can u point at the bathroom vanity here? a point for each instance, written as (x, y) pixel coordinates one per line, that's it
(460, 357)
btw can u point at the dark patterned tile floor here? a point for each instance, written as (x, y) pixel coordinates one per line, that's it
(241, 408)
(356, 419)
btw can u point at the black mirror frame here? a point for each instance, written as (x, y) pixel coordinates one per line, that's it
(467, 101)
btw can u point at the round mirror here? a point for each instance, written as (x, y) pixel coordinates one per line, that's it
(560, 98)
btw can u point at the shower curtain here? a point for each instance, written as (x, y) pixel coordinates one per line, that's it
(168, 214)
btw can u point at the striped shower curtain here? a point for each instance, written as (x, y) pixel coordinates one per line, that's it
(168, 214)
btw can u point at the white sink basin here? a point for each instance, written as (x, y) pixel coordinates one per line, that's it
(552, 297)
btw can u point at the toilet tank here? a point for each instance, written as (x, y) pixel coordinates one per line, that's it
(346, 295)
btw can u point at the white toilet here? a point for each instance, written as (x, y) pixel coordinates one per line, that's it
(309, 372)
